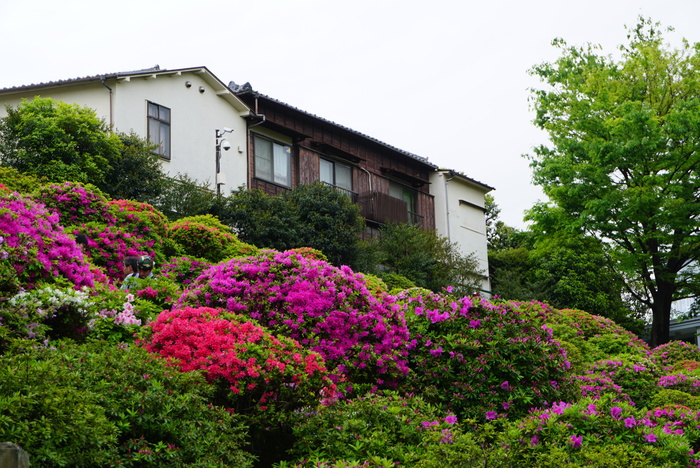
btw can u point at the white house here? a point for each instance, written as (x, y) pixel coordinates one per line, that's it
(180, 110)
(460, 215)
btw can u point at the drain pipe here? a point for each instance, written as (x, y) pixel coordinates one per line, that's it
(111, 117)
(258, 115)
(369, 177)
(447, 205)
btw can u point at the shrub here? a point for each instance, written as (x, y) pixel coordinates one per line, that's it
(396, 281)
(384, 425)
(161, 291)
(482, 359)
(35, 246)
(259, 371)
(202, 241)
(142, 220)
(75, 203)
(599, 432)
(108, 246)
(46, 312)
(636, 377)
(668, 354)
(103, 405)
(595, 337)
(669, 396)
(15, 181)
(327, 309)
(184, 270)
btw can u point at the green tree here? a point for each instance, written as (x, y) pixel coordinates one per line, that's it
(183, 196)
(56, 140)
(136, 174)
(427, 259)
(316, 216)
(624, 157)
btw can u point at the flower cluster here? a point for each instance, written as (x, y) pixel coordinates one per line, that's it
(668, 354)
(46, 312)
(483, 359)
(658, 438)
(327, 309)
(75, 203)
(633, 378)
(260, 370)
(37, 245)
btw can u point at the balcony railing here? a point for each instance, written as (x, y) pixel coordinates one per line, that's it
(383, 208)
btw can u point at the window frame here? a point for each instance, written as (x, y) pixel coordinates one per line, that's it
(271, 178)
(335, 164)
(156, 123)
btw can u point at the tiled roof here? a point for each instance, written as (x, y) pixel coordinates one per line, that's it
(81, 79)
(247, 89)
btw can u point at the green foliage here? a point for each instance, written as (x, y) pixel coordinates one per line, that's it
(20, 182)
(625, 142)
(207, 241)
(386, 425)
(669, 396)
(316, 216)
(396, 281)
(427, 259)
(636, 377)
(136, 173)
(183, 196)
(595, 337)
(104, 405)
(599, 432)
(63, 142)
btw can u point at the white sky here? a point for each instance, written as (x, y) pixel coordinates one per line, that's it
(444, 79)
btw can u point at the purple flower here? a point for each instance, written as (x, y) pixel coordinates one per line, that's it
(535, 440)
(576, 441)
(615, 412)
(651, 438)
(630, 422)
(450, 419)
(491, 415)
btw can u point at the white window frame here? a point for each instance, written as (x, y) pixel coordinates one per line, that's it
(280, 169)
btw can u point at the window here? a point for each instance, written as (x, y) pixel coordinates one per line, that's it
(273, 161)
(408, 195)
(336, 174)
(159, 128)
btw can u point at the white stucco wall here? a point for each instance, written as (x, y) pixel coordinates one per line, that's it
(460, 216)
(195, 116)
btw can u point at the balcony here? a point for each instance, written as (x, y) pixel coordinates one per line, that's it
(383, 208)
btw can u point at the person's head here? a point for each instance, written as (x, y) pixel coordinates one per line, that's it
(130, 265)
(82, 241)
(145, 265)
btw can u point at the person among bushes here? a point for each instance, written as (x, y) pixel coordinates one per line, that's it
(130, 270)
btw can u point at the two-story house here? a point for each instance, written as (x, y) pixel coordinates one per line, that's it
(274, 147)
(289, 147)
(178, 110)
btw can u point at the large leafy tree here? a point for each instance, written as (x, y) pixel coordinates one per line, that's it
(624, 158)
(57, 140)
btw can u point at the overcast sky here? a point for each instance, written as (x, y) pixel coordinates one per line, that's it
(446, 80)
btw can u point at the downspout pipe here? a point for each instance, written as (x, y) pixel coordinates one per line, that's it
(103, 79)
(447, 204)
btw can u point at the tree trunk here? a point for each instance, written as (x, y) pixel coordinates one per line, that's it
(661, 315)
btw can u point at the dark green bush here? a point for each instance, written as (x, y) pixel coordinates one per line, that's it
(104, 405)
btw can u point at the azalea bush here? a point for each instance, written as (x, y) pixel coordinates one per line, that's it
(384, 425)
(257, 370)
(144, 221)
(75, 203)
(594, 337)
(209, 239)
(673, 352)
(602, 432)
(34, 244)
(481, 359)
(635, 377)
(109, 245)
(184, 270)
(329, 310)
